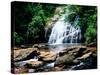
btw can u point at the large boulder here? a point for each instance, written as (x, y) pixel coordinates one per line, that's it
(68, 56)
(47, 56)
(34, 64)
(23, 53)
(89, 52)
(65, 59)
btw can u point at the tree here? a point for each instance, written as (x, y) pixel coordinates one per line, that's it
(87, 21)
(30, 20)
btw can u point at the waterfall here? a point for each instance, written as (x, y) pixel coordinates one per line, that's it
(64, 32)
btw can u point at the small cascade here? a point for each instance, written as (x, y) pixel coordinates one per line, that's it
(64, 32)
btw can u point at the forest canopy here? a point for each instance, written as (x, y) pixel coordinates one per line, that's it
(30, 19)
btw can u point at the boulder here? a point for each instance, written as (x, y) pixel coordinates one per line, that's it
(20, 70)
(93, 44)
(34, 64)
(85, 56)
(90, 49)
(23, 53)
(39, 46)
(58, 68)
(35, 46)
(69, 56)
(65, 59)
(47, 56)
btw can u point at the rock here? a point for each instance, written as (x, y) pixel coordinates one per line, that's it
(23, 53)
(78, 51)
(76, 61)
(15, 48)
(85, 56)
(66, 59)
(41, 45)
(82, 48)
(90, 49)
(88, 61)
(47, 56)
(35, 46)
(93, 44)
(72, 48)
(23, 46)
(58, 68)
(62, 53)
(75, 49)
(20, 70)
(68, 56)
(34, 64)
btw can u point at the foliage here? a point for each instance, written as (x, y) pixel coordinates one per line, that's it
(36, 30)
(87, 21)
(17, 38)
(30, 20)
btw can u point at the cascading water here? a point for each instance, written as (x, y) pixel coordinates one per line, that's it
(64, 32)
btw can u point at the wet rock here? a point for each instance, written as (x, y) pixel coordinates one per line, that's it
(75, 49)
(23, 46)
(34, 64)
(85, 56)
(88, 63)
(77, 57)
(88, 60)
(76, 61)
(15, 48)
(72, 48)
(90, 49)
(35, 46)
(22, 54)
(20, 70)
(69, 56)
(62, 53)
(78, 51)
(93, 44)
(47, 56)
(66, 59)
(40, 46)
(58, 68)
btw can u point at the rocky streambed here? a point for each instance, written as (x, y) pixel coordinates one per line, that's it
(46, 58)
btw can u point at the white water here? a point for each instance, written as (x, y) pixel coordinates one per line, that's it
(65, 32)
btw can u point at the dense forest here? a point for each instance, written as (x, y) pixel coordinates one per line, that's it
(29, 21)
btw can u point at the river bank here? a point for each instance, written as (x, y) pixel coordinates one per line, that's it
(46, 58)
